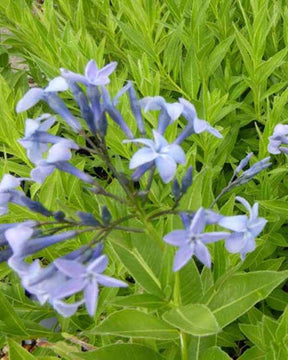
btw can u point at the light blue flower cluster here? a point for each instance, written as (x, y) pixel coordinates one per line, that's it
(81, 271)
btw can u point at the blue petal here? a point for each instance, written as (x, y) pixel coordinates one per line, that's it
(235, 242)
(91, 296)
(109, 281)
(166, 167)
(202, 253)
(198, 222)
(142, 156)
(30, 99)
(182, 256)
(211, 237)
(70, 268)
(235, 223)
(177, 238)
(57, 84)
(176, 152)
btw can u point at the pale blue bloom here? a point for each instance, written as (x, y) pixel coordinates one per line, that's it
(195, 125)
(58, 156)
(84, 278)
(22, 242)
(245, 228)
(278, 138)
(192, 240)
(49, 95)
(8, 194)
(93, 75)
(165, 156)
(169, 112)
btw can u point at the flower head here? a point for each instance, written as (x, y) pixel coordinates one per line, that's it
(245, 228)
(159, 153)
(86, 278)
(192, 240)
(278, 138)
(93, 75)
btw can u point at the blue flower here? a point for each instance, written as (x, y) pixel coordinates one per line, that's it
(159, 153)
(195, 125)
(169, 112)
(192, 240)
(49, 95)
(93, 75)
(58, 156)
(84, 278)
(278, 138)
(245, 228)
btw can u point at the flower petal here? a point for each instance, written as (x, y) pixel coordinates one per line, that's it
(166, 167)
(235, 223)
(68, 288)
(198, 222)
(160, 141)
(257, 226)
(65, 309)
(91, 70)
(142, 156)
(30, 99)
(98, 265)
(202, 253)
(182, 256)
(40, 173)
(70, 268)
(174, 110)
(59, 152)
(9, 182)
(177, 238)
(245, 203)
(235, 242)
(57, 84)
(108, 69)
(109, 281)
(176, 152)
(91, 296)
(211, 237)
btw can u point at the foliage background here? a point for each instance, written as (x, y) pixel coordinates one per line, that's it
(229, 58)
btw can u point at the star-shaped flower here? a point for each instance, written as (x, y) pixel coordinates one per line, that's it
(245, 228)
(192, 240)
(85, 278)
(165, 156)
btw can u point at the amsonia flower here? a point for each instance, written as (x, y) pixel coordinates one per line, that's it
(49, 95)
(192, 240)
(165, 156)
(58, 156)
(169, 111)
(86, 278)
(278, 138)
(195, 125)
(93, 75)
(245, 228)
(8, 194)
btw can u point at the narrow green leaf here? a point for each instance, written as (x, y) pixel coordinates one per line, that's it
(9, 318)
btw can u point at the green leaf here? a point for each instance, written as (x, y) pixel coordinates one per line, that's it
(121, 352)
(17, 352)
(9, 319)
(138, 268)
(195, 319)
(137, 324)
(253, 353)
(279, 207)
(240, 292)
(215, 353)
(141, 300)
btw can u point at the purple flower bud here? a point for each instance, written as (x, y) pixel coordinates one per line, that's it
(136, 108)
